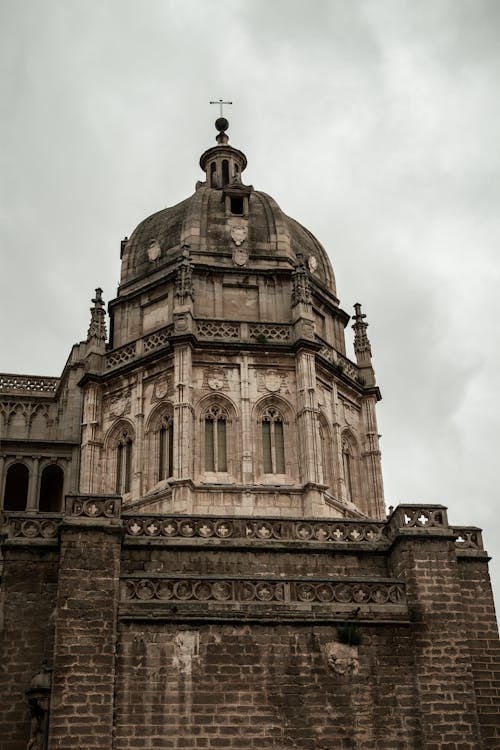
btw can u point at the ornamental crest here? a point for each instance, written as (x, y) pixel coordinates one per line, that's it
(240, 256)
(239, 234)
(272, 381)
(160, 388)
(215, 378)
(119, 405)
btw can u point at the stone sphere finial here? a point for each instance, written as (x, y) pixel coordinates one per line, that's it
(221, 124)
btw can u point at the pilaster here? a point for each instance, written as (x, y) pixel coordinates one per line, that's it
(85, 638)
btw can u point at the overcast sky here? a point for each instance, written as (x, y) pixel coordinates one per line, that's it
(375, 124)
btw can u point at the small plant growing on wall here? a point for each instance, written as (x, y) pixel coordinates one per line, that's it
(261, 339)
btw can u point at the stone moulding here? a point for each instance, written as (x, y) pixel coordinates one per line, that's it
(269, 598)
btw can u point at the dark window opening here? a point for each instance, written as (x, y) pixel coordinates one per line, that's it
(225, 172)
(215, 441)
(166, 447)
(123, 465)
(16, 487)
(51, 489)
(236, 205)
(213, 174)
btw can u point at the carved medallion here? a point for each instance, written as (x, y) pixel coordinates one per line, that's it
(180, 322)
(154, 250)
(342, 658)
(239, 234)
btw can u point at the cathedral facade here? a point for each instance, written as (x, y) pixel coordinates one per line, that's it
(195, 547)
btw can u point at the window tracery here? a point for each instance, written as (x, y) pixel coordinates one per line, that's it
(273, 445)
(124, 444)
(165, 457)
(348, 469)
(215, 419)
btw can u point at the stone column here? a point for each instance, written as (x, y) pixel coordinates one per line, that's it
(33, 485)
(91, 445)
(183, 419)
(82, 702)
(373, 490)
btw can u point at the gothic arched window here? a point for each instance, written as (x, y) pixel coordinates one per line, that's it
(215, 439)
(51, 489)
(16, 487)
(273, 445)
(165, 447)
(124, 461)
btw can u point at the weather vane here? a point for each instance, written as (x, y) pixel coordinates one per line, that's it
(220, 103)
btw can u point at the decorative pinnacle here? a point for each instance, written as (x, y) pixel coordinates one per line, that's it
(362, 346)
(97, 327)
(221, 124)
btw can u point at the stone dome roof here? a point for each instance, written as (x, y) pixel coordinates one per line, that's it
(205, 222)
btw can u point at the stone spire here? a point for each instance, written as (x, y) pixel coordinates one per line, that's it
(362, 346)
(97, 327)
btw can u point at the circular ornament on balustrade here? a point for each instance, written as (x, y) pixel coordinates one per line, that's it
(305, 592)
(153, 527)
(48, 529)
(247, 591)
(169, 527)
(223, 529)
(380, 595)
(264, 592)
(202, 591)
(205, 529)
(321, 533)
(304, 531)
(183, 590)
(145, 590)
(343, 593)
(165, 590)
(324, 592)
(134, 526)
(264, 530)
(312, 263)
(30, 528)
(187, 529)
(221, 590)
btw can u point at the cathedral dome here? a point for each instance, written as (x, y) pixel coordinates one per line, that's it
(224, 214)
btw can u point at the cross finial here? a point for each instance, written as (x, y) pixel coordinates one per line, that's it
(220, 102)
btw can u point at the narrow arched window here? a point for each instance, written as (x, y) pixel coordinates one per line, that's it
(213, 175)
(348, 469)
(166, 448)
(273, 446)
(124, 463)
(16, 487)
(215, 439)
(225, 172)
(51, 489)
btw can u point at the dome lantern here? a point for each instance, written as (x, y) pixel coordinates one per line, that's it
(222, 164)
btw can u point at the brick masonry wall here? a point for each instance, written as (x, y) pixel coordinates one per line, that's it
(480, 621)
(262, 686)
(85, 638)
(443, 670)
(28, 597)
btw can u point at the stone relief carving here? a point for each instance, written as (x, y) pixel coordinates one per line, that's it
(160, 388)
(119, 405)
(239, 233)
(350, 412)
(215, 378)
(240, 257)
(154, 250)
(343, 659)
(272, 381)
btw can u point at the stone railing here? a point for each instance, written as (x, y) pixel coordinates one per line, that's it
(468, 537)
(30, 384)
(31, 526)
(418, 517)
(258, 590)
(253, 529)
(234, 330)
(95, 506)
(339, 361)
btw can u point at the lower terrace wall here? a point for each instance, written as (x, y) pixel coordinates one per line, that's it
(219, 632)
